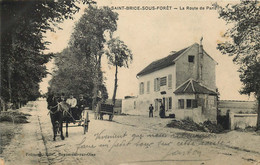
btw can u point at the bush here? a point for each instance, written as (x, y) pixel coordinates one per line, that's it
(14, 116)
(189, 125)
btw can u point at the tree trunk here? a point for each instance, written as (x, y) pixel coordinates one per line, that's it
(258, 115)
(94, 98)
(115, 87)
(97, 81)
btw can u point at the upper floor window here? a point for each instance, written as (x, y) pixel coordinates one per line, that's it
(191, 59)
(163, 81)
(148, 87)
(141, 88)
(170, 81)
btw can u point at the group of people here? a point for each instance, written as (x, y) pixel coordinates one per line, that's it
(161, 112)
(76, 105)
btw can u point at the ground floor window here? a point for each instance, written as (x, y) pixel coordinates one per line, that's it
(181, 103)
(191, 103)
(170, 102)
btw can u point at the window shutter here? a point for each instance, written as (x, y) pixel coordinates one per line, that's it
(170, 81)
(155, 84)
(148, 86)
(140, 88)
(158, 84)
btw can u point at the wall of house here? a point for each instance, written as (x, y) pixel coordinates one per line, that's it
(206, 109)
(242, 120)
(209, 72)
(144, 100)
(128, 105)
(186, 70)
(191, 113)
(209, 106)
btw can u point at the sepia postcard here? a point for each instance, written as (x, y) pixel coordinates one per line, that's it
(126, 82)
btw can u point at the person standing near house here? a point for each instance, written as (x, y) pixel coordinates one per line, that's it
(162, 111)
(73, 105)
(151, 110)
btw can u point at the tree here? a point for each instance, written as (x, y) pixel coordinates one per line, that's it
(73, 74)
(119, 56)
(244, 44)
(22, 44)
(89, 37)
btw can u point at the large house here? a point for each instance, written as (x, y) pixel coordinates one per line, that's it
(184, 82)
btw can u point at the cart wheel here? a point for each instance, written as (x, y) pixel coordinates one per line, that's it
(86, 124)
(111, 117)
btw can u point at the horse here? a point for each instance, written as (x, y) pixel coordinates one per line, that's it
(66, 112)
(56, 116)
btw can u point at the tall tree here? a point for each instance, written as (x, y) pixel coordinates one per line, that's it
(89, 37)
(244, 44)
(73, 74)
(118, 55)
(22, 44)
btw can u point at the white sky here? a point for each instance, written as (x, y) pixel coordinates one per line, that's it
(152, 35)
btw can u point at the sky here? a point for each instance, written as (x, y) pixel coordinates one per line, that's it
(153, 34)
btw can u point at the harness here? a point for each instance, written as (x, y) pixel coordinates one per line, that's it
(58, 109)
(54, 111)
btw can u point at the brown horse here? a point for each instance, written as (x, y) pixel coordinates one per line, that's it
(56, 116)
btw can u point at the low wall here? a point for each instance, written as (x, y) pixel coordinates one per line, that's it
(242, 120)
(194, 114)
(237, 106)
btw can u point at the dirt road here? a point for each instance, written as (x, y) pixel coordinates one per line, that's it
(126, 140)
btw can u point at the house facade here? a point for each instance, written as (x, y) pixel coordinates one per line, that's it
(184, 82)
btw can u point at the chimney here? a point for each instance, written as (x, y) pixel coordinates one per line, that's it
(200, 57)
(172, 52)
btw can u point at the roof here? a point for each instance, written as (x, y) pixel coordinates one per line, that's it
(161, 63)
(166, 61)
(193, 87)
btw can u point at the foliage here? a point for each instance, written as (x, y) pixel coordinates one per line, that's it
(22, 44)
(89, 37)
(89, 32)
(73, 74)
(244, 44)
(118, 55)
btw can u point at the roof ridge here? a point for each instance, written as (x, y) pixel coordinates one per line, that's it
(206, 87)
(187, 85)
(183, 83)
(195, 88)
(188, 48)
(163, 62)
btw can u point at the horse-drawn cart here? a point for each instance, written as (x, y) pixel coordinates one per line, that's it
(82, 121)
(106, 109)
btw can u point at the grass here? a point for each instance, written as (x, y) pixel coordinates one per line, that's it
(14, 117)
